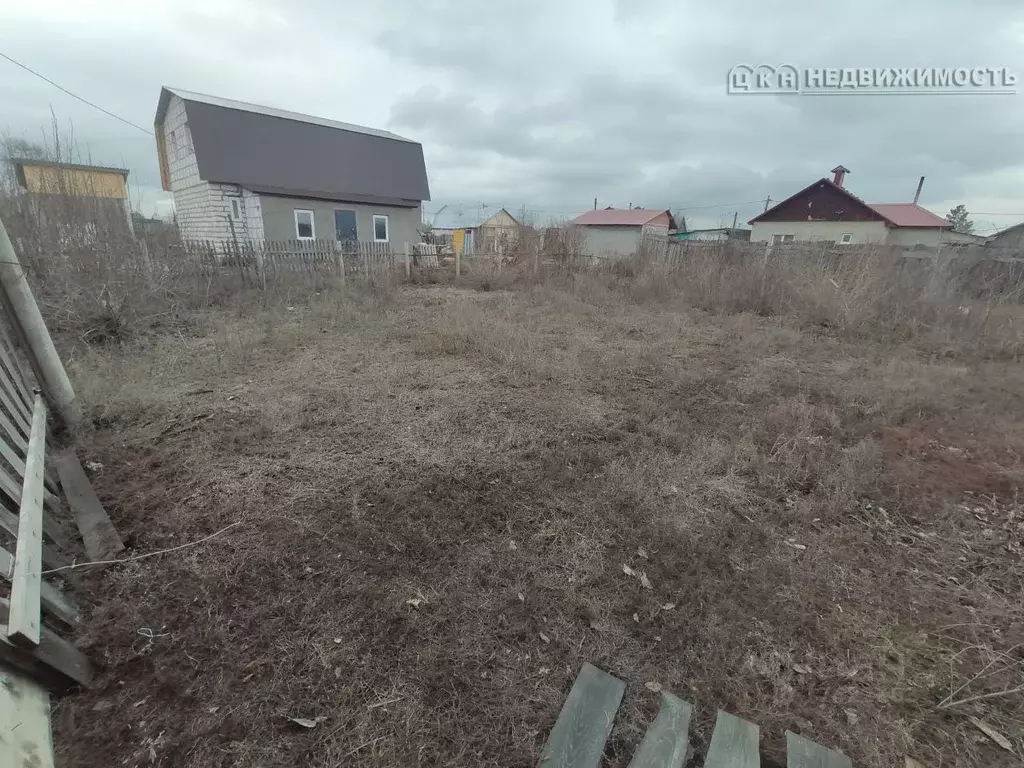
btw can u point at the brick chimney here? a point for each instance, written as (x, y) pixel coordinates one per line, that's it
(840, 174)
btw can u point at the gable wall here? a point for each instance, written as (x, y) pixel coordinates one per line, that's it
(821, 202)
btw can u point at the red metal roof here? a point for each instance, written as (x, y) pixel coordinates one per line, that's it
(635, 217)
(909, 215)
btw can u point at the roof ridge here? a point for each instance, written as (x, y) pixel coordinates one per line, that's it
(283, 114)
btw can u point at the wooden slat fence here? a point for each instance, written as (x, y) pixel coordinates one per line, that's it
(263, 263)
(38, 612)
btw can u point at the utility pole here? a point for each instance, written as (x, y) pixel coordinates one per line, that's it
(767, 202)
(595, 203)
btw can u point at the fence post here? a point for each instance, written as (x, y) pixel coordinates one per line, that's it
(28, 324)
(408, 263)
(458, 262)
(261, 263)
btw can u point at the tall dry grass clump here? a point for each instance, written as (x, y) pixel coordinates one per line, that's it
(868, 292)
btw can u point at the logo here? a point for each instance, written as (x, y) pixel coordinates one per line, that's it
(831, 81)
(764, 78)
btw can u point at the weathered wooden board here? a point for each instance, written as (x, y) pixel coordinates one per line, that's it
(15, 371)
(52, 557)
(55, 602)
(803, 753)
(12, 391)
(734, 744)
(9, 432)
(25, 740)
(666, 741)
(53, 651)
(24, 424)
(25, 619)
(583, 725)
(13, 488)
(98, 533)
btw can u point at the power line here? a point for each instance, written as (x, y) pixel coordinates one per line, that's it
(572, 211)
(75, 95)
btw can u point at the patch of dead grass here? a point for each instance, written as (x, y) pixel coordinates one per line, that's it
(496, 457)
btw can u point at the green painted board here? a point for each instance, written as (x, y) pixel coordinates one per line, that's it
(583, 725)
(802, 753)
(664, 745)
(734, 744)
(24, 722)
(98, 534)
(53, 651)
(55, 602)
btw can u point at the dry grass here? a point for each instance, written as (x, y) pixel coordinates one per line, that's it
(829, 505)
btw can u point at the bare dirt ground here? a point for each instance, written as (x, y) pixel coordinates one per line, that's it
(438, 490)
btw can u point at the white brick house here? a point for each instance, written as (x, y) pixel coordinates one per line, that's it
(246, 172)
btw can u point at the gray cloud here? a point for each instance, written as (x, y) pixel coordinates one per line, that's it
(551, 104)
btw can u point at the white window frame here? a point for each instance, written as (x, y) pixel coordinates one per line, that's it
(779, 239)
(387, 228)
(312, 224)
(846, 238)
(236, 208)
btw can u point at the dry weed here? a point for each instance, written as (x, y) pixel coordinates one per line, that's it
(432, 481)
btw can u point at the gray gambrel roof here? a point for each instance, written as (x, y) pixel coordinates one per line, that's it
(287, 153)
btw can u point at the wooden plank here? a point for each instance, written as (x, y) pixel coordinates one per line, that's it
(12, 433)
(53, 651)
(18, 464)
(666, 741)
(13, 489)
(7, 357)
(11, 405)
(25, 620)
(583, 725)
(98, 533)
(52, 557)
(734, 744)
(24, 722)
(804, 753)
(55, 602)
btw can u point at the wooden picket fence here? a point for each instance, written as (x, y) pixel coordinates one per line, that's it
(38, 487)
(260, 263)
(41, 491)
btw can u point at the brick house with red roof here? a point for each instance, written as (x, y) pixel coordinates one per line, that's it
(826, 211)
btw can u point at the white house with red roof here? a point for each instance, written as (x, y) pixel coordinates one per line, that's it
(615, 232)
(827, 211)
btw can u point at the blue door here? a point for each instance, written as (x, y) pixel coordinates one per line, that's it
(345, 226)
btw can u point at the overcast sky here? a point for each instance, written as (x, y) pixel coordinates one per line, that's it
(548, 104)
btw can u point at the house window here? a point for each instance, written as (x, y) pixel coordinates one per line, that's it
(380, 229)
(236, 209)
(846, 238)
(304, 227)
(779, 239)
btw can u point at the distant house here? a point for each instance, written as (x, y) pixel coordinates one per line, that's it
(76, 199)
(713, 235)
(614, 232)
(475, 233)
(1009, 241)
(252, 172)
(827, 211)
